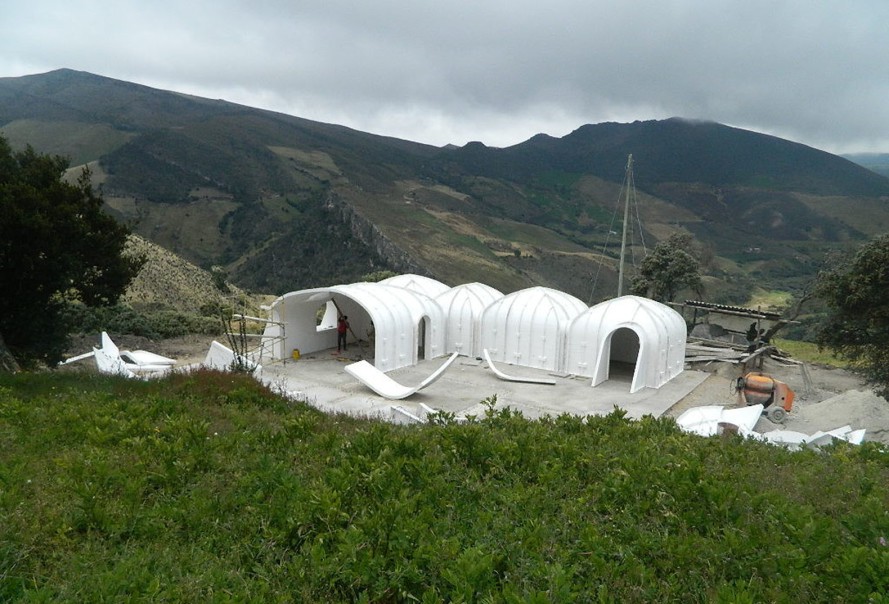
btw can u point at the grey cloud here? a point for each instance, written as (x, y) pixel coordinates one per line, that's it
(497, 71)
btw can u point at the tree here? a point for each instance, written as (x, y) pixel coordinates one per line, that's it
(669, 268)
(856, 326)
(56, 246)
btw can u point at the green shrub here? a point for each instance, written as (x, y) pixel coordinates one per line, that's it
(209, 486)
(153, 323)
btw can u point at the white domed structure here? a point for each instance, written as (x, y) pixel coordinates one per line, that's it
(417, 283)
(537, 327)
(528, 327)
(405, 326)
(630, 331)
(463, 307)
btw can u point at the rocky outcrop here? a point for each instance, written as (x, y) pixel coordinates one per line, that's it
(370, 235)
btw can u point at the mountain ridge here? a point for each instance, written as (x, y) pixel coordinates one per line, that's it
(284, 203)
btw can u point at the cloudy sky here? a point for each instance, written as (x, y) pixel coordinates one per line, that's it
(452, 71)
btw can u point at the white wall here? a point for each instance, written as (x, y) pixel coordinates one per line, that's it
(463, 307)
(609, 332)
(528, 327)
(391, 314)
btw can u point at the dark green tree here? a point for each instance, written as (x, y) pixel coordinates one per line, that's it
(56, 246)
(668, 269)
(855, 291)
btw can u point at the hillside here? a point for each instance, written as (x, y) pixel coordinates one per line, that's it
(168, 281)
(284, 203)
(878, 162)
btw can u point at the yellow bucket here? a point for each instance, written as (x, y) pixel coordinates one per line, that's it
(295, 354)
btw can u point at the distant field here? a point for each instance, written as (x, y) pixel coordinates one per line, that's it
(809, 352)
(773, 299)
(869, 217)
(190, 229)
(80, 142)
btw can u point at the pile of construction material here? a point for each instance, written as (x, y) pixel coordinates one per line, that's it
(711, 420)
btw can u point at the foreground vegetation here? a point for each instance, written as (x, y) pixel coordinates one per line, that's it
(209, 487)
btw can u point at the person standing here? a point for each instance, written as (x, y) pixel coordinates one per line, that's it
(342, 328)
(752, 336)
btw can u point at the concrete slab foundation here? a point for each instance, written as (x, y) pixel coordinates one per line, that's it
(322, 382)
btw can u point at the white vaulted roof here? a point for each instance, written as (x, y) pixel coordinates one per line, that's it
(536, 327)
(463, 307)
(527, 327)
(394, 315)
(417, 283)
(660, 332)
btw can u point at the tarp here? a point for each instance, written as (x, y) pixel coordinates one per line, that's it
(710, 420)
(707, 420)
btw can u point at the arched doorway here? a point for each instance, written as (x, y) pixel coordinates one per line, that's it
(623, 355)
(421, 339)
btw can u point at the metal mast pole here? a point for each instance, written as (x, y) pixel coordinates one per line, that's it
(623, 241)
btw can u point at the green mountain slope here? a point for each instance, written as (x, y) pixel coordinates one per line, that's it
(284, 203)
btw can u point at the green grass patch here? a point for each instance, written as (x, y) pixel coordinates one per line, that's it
(80, 142)
(208, 486)
(560, 181)
(531, 235)
(810, 353)
(769, 299)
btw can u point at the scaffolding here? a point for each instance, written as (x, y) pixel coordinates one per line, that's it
(254, 346)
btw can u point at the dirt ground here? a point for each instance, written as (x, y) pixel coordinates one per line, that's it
(185, 349)
(826, 397)
(830, 398)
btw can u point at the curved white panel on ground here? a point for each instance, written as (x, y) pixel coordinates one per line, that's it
(110, 363)
(108, 358)
(527, 327)
(222, 358)
(385, 386)
(513, 378)
(143, 357)
(631, 329)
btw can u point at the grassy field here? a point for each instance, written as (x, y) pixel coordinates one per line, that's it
(809, 352)
(80, 142)
(209, 487)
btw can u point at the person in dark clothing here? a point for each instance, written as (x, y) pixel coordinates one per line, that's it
(342, 328)
(752, 335)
